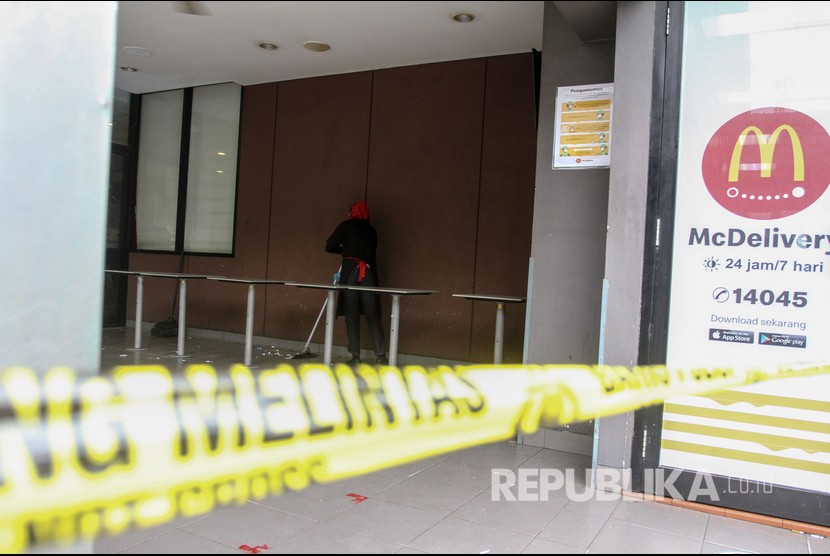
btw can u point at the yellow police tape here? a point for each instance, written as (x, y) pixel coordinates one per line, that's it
(81, 456)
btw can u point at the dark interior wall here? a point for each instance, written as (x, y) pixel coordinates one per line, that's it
(424, 173)
(570, 222)
(570, 226)
(444, 156)
(505, 204)
(320, 155)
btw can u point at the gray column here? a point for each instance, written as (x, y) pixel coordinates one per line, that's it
(54, 187)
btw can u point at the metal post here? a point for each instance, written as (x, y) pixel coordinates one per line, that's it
(329, 328)
(182, 304)
(249, 325)
(603, 315)
(393, 330)
(497, 351)
(519, 436)
(139, 309)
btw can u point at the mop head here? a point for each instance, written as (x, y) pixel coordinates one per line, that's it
(302, 355)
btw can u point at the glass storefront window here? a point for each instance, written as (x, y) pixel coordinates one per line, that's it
(209, 190)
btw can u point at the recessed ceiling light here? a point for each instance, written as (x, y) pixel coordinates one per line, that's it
(463, 17)
(268, 46)
(316, 46)
(128, 69)
(137, 51)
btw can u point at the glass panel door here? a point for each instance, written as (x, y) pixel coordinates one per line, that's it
(115, 286)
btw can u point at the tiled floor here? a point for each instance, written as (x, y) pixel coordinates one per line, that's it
(439, 505)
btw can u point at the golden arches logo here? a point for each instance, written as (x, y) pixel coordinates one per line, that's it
(767, 148)
(752, 188)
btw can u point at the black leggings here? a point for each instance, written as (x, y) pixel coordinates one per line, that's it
(353, 301)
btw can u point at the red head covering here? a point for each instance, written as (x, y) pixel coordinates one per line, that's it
(359, 210)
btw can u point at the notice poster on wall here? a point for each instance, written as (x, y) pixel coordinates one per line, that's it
(750, 279)
(582, 132)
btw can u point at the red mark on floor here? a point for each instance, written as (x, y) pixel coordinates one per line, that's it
(357, 498)
(253, 549)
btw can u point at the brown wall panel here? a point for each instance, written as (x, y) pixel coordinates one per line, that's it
(506, 203)
(423, 190)
(320, 154)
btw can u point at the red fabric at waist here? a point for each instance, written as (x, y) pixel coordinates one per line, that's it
(361, 267)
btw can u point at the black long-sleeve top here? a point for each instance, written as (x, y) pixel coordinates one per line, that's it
(355, 239)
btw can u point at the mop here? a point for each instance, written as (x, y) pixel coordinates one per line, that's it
(306, 353)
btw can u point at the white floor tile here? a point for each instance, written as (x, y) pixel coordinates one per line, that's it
(525, 517)
(317, 502)
(250, 524)
(618, 537)
(368, 485)
(573, 529)
(384, 520)
(179, 542)
(754, 536)
(324, 539)
(458, 536)
(428, 495)
(541, 546)
(662, 517)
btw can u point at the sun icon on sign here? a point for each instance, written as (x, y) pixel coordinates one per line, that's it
(711, 264)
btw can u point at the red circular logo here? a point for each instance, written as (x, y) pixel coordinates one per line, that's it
(767, 163)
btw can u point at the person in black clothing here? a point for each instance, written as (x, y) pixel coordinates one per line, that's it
(356, 240)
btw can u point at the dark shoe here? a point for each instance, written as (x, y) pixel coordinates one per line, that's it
(354, 361)
(382, 360)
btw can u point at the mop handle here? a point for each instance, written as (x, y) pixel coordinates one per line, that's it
(323, 308)
(314, 328)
